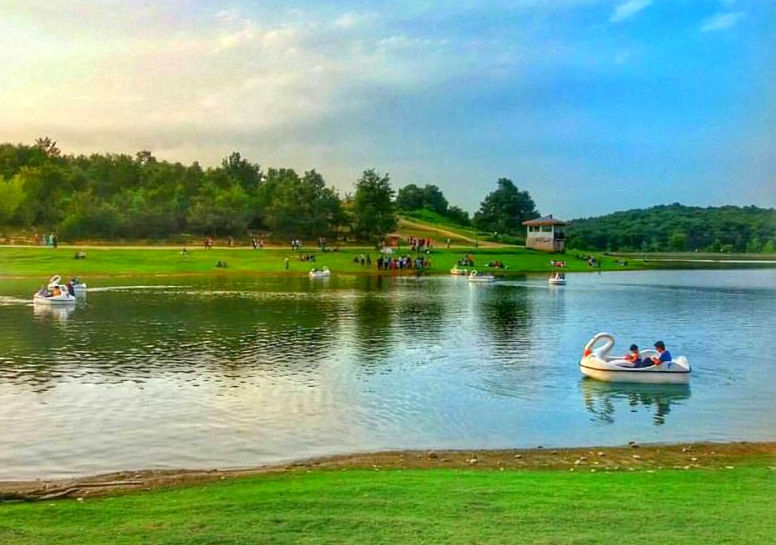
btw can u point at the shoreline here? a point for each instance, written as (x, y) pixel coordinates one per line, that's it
(652, 457)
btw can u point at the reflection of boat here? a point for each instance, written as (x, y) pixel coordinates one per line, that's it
(320, 273)
(598, 364)
(58, 312)
(557, 279)
(54, 294)
(475, 276)
(602, 398)
(455, 271)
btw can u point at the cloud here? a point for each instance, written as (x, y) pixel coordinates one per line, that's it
(628, 10)
(721, 21)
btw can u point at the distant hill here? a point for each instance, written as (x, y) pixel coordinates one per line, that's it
(676, 227)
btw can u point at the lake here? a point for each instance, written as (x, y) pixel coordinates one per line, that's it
(192, 372)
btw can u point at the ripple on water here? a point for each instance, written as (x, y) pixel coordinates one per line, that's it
(260, 370)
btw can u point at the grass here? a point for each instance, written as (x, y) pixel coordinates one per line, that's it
(432, 222)
(117, 261)
(422, 506)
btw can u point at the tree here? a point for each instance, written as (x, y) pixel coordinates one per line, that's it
(409, 198)
(504, 210)
(458, 215)
(374, 213)
(247, 174)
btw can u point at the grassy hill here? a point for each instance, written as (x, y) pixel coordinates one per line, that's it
(426, 223)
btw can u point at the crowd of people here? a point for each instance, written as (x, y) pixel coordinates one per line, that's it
(391, 263)
(418, 244)
(362, 259)
(46, 240)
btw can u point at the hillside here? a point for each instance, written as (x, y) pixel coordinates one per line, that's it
(677, 227)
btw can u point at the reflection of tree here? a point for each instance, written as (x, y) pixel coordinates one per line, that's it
(373, 317)
(142, 334)
(505, 315)
(602, 398)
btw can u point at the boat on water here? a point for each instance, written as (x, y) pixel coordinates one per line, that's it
(557, 279)
(455, 271)
(78, 287)
(598, 364)
(475, 276)
(320, 273)
(54, 294)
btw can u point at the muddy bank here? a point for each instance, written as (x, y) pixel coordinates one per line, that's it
(634, 457)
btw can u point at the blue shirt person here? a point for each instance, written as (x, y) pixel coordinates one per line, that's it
(663, 354)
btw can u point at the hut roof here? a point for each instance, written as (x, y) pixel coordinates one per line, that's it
(545, 220)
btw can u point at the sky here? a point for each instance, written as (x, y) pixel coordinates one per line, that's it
(590, 105)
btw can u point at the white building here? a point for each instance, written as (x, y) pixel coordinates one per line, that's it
(545, 233)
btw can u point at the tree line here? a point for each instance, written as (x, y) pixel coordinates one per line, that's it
(678, 228)
(139, 196)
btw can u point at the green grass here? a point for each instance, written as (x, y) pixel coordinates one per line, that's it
(433, 221)
(422, 506)
(100, 261)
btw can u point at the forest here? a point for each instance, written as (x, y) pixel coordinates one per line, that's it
(121, 196)
(678, 228)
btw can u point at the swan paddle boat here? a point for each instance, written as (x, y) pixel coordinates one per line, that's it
(475, 276)
(557, 279)
(78, 287)
(455, 271)
(598, 364)
(54, 294)
(320, 273)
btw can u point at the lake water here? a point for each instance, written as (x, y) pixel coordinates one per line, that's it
(230, 372)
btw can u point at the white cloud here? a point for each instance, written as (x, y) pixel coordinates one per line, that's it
(628, 10)
(721, 21)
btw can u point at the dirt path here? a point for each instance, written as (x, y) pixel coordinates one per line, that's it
(652, 458)
(451, 234)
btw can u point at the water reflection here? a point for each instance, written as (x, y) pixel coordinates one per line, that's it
(602, 399)
(59, 313)
(233, 371)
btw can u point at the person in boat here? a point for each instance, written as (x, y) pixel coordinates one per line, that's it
(633, 356)
(663, 354)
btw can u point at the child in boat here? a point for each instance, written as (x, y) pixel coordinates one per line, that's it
(633, 356)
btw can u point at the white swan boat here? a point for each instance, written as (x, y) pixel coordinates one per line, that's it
(455, 271)
(79, 288)
(320, 273)
(474, 276)
(598, 364)
(53, 294)
(558, 279)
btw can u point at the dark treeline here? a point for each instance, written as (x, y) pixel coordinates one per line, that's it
(678, 228)
(124, 196)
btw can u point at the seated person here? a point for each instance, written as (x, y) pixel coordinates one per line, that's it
(663, 354)
(633, 356)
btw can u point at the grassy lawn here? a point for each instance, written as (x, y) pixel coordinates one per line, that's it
(422, 506)
(101, 261)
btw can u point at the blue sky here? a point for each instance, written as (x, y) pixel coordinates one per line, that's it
(592, 106)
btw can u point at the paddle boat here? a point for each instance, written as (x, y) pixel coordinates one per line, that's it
(54, 294)
(557, 279)
(475, 276)
(320, 273)
(455, 271)
(78, 287)
(598, 364)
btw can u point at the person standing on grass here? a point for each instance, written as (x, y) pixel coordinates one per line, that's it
(286, 263)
